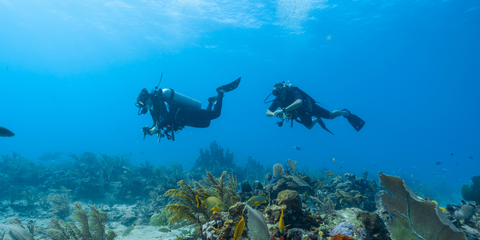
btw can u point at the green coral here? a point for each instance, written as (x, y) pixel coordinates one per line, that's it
(224, 188)
(91, 227)
(186, 205)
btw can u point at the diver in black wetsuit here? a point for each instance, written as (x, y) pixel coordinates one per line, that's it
(295, 104)
(172, 111)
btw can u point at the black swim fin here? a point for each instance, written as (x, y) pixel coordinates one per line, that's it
(231, 86)
(356, 122)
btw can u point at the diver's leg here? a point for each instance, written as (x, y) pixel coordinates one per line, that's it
(210, 114)
(211, 101)
(217, 107)
(338, 113)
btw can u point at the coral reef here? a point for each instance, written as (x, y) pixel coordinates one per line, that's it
(61, 204)
(411, 217)
(214, 161)
(91, 227)
(253, 170)
(374, 226)
(472, 193)
(188, 202)
(290, 203)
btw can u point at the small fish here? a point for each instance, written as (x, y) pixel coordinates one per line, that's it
(281, 223)
(239, 229)
(257, 201)
(459, 180)
(470, 157)
(273, 180)
(435, 202)
(297, 148)
(438, 163)
(128, 197)
(129, 229)
(164, 229)
(451, 154)
(414, 167)
(198, 202)
(6, 133)
(443, 209)
(411, 175)
(214, 204)
(333, 159)
(444, 169)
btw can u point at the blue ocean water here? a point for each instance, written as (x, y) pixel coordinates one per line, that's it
(70, 72)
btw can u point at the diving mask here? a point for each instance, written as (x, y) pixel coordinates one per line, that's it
(142, 99)
(278, 89)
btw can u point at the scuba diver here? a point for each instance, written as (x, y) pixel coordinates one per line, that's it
(295, 104)
(172, 111)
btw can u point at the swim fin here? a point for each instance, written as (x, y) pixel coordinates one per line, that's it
(231, 86)
(355, 121)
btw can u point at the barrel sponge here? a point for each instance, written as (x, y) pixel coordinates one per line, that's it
(472, 193)
(412, 217)
(278, 171)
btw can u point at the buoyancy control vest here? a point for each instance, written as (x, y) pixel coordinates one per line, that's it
(308, 101)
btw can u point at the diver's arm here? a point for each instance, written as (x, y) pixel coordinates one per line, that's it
(294, 105)
(270, 113)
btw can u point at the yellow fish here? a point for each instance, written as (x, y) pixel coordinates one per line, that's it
(256, 201)
(281, 223)
(435, 202)
(214, 204)
(334, 159)
(411, 176)
(239, 229)
(198, 203)
(443, 209)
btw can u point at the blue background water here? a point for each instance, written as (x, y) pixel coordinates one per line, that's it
(70, 73)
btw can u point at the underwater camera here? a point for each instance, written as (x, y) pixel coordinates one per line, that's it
(280, 123)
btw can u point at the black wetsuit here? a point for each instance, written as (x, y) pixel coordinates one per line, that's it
(306, 111)
(170, 116)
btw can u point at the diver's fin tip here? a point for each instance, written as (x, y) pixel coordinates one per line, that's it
(356, 122)
(231, 86)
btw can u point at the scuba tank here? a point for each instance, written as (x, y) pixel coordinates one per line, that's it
(176, 98)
